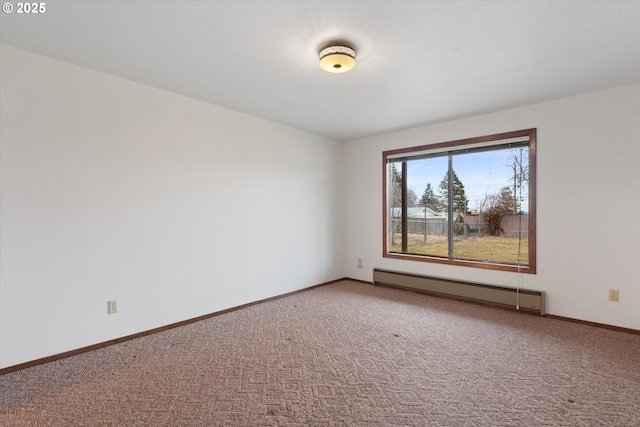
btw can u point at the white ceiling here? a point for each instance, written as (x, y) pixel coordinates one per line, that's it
(419, 62)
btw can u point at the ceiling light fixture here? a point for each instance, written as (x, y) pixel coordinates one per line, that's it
(337, 58)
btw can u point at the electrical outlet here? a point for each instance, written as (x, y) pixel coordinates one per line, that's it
(614, 295)
(359, 262)
(112, 306)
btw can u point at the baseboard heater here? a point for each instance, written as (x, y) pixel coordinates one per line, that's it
(521, 299)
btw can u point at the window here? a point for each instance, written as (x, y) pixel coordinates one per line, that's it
(470, 202)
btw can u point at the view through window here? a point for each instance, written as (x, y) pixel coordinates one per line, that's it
(468, 202)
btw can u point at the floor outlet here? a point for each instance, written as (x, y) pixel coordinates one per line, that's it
(112, 306)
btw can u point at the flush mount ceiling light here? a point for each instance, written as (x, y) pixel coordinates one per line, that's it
(337, 58)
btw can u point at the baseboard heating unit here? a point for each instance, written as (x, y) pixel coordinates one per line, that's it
(521, 299)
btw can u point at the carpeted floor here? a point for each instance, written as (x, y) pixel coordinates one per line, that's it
(345, 354)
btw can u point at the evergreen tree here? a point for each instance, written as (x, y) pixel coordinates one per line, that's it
(396, 187)
(430, 200)
(459, 201)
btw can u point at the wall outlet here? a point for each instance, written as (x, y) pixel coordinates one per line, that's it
(359, 262)
(112, 306)
(614, 295)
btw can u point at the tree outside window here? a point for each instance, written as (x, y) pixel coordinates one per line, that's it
(484, 217)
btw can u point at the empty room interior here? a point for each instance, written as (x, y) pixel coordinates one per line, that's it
(170, 163)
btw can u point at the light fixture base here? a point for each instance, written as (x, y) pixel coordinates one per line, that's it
(337, 58)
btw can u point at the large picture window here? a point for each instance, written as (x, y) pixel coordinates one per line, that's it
(470, 202)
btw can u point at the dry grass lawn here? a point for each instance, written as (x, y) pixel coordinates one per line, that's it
(488, 248)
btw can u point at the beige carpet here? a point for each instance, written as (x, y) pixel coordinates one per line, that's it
(346, 354)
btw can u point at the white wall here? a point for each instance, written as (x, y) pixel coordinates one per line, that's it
(177, 208)
(588, 187)
(174, 207)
